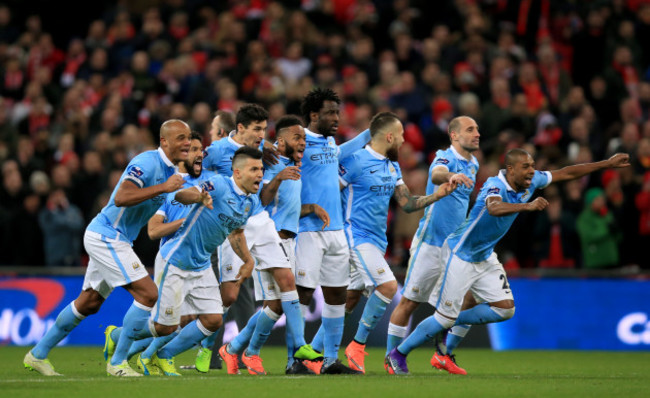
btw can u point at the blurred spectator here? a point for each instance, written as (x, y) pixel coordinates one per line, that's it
(556, 243)
(599, 236)
(642, 202)
(62, 225)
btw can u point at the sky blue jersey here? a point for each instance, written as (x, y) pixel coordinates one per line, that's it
(204, 229)
(444, 216)
(218, 157)
(320, 181)
(124, 223)
(285, 207)
(475, 239)
(172, 209)
(370, 180)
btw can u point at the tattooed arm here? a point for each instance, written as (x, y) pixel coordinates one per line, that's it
(239, 246)
(410, 203)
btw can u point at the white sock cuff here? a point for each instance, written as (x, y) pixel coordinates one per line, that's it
(304, 309)
(333, 311)
(142, 306)
(460, 330)
(505, 313)
(225, 310)
(397, 330)
(444, 321)
(289, 296)
(382, 297)
(75, 312)
(203, 329)
(271, 314)
(152, 328)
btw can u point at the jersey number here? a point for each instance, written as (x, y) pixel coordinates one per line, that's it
(506, 286)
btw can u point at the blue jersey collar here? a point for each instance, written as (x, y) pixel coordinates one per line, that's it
(461, 157)
(375, 153)
(164, 157)
(311, 133)
(502, 177)
(238, 190)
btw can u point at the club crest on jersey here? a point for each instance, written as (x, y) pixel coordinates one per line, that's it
(229, 267)
(135, 265)
(448, 303)
(247, 209)
(169, 311)
(381, 271)
(391, 169)
(207, 186)
(415, 289)
(525, 195)
(442, 161)
(494, 191)
(472, 170)
(301, 272)
(135, 171)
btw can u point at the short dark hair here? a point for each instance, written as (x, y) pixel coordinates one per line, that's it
(513, 155)
(244, 153)
(313, 102)
(226, 120)
(251, 113)
(381, 121)
(287, 121)
(195, 135)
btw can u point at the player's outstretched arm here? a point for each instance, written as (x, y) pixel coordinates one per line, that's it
(240, 247)
(618, 160)
(321, 213)
(498, 208)
(130, 194)
(269, 190)
(191, 195)
(158, 228)
(348, 148)
(440, 175)
(410, 203)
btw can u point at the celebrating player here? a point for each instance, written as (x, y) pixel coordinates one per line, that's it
(369, 178)
(113, 263)
(468, 253)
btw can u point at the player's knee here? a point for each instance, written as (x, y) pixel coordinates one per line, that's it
(89, 302)
(388, 289)
(274, 305)
(285, 280)
(504, 313)
(164, 330)
(305, 294)
(212, 322)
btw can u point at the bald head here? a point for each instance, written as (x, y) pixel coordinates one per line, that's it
(515, 156)
(456, 124)
(171, 126)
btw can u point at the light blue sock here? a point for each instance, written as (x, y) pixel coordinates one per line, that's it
(135, 320)
(372, 313)
(190, 335)
(208, 342)
(138, 346)
(263, 328)
(478, 315)
(318, 342)
(67, 320)
(144, 333)
(295, 321)
(116, 333)
(290, 347)
(426, 331)
(333, 322)
(240, 342)
(455, 336)
(395, 337)
(157, 343)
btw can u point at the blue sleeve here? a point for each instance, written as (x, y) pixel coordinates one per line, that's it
(398, 171)
(541, 179)
(215, 186)
(443, 159)
(358, 142)
(270, 172)
(141, 171)
(349, 169)
(493, 188)
(166, 206)
(211, 156)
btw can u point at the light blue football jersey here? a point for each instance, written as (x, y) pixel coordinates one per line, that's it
(475, 239)
(285, 207)
(124, 223)
(172, 209)
(370, 180)
(204, 229)
(320, 177)
(444, 216)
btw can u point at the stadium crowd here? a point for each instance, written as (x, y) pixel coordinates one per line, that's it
(567, 81)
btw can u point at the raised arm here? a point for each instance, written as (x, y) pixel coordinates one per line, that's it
(498, 208)
(271, 189)
(348, 148)
(240, 247)
(130, 194)
(158, 228)
(618, 160)
(410, 203)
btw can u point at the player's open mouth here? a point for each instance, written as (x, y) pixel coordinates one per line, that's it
(198, 164)
(299, 154)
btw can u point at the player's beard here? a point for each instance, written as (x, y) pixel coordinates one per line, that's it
(392, 154)
(190, 169)
(289, 151)
(324, 130)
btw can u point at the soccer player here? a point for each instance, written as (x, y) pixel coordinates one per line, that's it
(456, 165)
(113, 263)
(322, 256)
(369, 178)
(281, 196)
(222, 124)
(468, 253)
(222, 205)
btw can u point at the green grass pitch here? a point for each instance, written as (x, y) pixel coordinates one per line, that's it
(491, 374)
